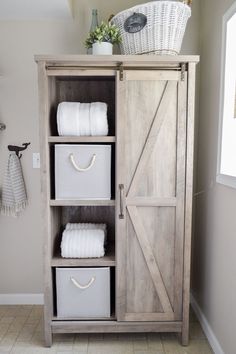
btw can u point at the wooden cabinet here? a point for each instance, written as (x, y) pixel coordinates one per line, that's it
(151, 129)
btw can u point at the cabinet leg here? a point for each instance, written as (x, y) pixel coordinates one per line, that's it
(185, 334)
(48, 336)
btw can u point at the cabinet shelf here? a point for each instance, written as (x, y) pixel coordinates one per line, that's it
(102, 319)
(107, 261)
(80, 202)
(81, 139)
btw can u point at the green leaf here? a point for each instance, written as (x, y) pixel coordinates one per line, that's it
(106, 32)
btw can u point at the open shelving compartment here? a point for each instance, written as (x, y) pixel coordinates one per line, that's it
(74, 214)
(84, 89)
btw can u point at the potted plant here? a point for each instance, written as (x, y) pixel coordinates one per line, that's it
(101, 40)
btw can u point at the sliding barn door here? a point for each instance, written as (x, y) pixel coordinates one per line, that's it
(150, 191)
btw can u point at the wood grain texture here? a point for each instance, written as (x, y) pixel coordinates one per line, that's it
(151, 201)
(80, 72)
(151, 75)
(180, 195)
(150, 260)
(188, 200)
(159, 117)
(113, 326)
(81, 139)
(45, 195)
(80, 202)
(154, 160)
(83, 60)
(120, 224)
(107, 261)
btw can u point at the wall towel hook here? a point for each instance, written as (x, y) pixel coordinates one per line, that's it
(17, 149)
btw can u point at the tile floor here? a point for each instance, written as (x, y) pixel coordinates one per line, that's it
(21, 332)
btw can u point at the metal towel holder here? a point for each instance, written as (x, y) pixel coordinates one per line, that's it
(17, 149)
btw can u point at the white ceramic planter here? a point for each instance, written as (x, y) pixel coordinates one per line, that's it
(103, 48)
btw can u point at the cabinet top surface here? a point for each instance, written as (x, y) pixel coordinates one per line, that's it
(111, 60)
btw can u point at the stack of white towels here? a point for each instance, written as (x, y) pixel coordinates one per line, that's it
(80, 240)
(82, 119)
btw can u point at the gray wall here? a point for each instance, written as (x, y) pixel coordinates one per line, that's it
(214, 261)
(21, 239)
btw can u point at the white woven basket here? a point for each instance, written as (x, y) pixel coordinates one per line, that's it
(163, 33)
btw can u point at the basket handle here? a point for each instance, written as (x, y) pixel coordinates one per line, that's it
(82, 287)
(82, 169)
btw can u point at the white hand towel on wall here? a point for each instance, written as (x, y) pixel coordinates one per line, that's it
(14, 198)
(82, 119)
(83, 243)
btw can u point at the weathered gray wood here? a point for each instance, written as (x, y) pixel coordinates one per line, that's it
(120, 224)
(161, 75)
(188, 200)
(150, 260)
(83, 60)
(81, 139)
(80, 72)
(180, 195)
(158, 317)
(107, 261)
(45, 195)
(113, 326)
(81, 202)
(151, 201)
(150, 159)
(159, 118)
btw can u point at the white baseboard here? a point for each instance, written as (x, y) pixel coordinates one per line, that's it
(21, 299)
(214, 343)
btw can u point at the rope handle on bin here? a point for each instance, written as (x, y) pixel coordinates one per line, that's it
(82, 169)
(82, 287)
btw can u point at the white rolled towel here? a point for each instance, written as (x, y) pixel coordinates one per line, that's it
(83, 243)
(68, 118)
(87, 226)
(82, 119)
(98, 118)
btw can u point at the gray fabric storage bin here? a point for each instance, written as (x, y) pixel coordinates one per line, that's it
(82, 171)
(83, 292)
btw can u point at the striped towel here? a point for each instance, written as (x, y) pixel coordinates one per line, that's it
(14, 198)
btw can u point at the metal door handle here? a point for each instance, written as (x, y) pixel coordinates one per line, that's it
(121, 188)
